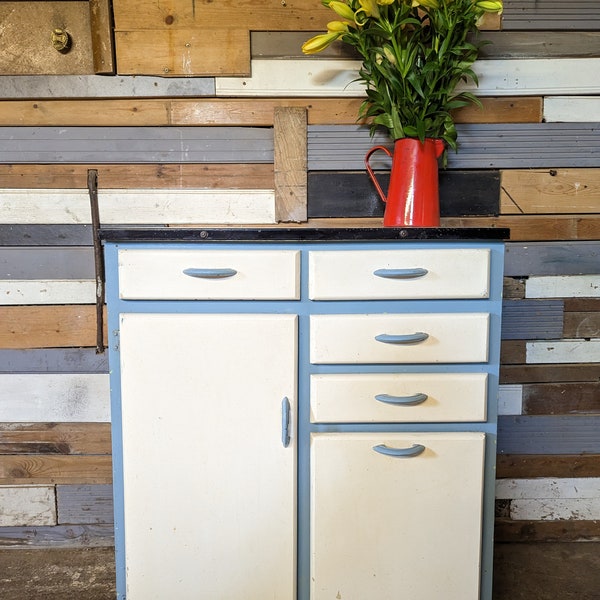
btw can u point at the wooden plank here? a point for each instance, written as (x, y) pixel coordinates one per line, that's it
(15, 292)
(55, 438)
(582, 325)
(78, 504)
(548, 488)
(566, 108)
(136, 176)
(45, 235)
(532, 319)
(564, 351)
(510, 400)
(520, 373)
(61, 536)
(552, 465)
(51, 263)
(563, 286)
(512, 352)
(561, 398)
(552, 258)
(507, 530)
(53, 360)
(102, 36)
(548, 434)
(32, 506)
(582, 304)
(48, 326)
(179, 206)
(550, 191)
(290, 157)
(335, 77)
(55, 397)
(513, 288)
(53, 469)
(548, 14)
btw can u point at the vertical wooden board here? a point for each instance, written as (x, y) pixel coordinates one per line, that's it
(102, 36)
(290, 164)
(79, 504)
(27, 506)
(563, 286)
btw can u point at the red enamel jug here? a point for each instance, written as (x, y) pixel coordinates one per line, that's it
(413, 198)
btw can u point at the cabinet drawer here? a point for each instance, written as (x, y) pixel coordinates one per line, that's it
(404, 338)
(389, 274)
(209, 274)
(398, 397)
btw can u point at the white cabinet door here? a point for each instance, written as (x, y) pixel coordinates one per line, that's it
(387, 527)
(209, 485)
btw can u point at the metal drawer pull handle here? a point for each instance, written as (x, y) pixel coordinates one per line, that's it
(285, 422)
(210, 273)
(401, 273)
(414, 450)
(402, 400)
(409, 338)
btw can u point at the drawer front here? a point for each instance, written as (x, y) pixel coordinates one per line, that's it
(405, 338)
(402, 274)
(398, 397)
(209, 274)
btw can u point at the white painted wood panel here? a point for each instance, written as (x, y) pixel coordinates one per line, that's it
(571, 109)
(351, 398)
(202, 437)
(27, 506)
(337, 77)
(380, 524)
(563, 286)
(186, 206)
(510, 400)
(555, 510)
(563, 351)
(547, 487)
(159, 274)
(347, 275)
(50, 291)
(452, 338)
(64, 397)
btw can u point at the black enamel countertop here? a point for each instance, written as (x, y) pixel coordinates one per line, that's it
(298, 234)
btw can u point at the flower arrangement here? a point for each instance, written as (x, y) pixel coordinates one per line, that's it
(414, 54)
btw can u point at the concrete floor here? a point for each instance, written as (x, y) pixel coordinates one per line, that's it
(522, 572)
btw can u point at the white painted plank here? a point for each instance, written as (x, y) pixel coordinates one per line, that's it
(547, 487)
(563, 286)
(570, 509)
(40, 398)
(336, 77)
(51, 291)
(187, 206)
(563, 351)
(575, 109)
(510, 400)
(27, 506)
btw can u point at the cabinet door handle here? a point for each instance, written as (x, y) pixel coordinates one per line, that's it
(409, 338)
(402, 400)
(210, 273)
(401, 273)
(285, 422)
(411, 452)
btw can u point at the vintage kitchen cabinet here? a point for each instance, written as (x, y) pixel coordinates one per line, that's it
(304, 414)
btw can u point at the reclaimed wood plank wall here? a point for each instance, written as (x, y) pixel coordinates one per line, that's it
(192, 134)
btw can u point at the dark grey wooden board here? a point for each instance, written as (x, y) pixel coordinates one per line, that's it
(81, 145)
(352, 194)
(551, 14)
(84, 504)
(549, 434)
(532, 319)
(53, 360)
(552, 258)
(58, 262)
(60, 536)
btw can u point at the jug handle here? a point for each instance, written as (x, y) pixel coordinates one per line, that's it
(370, 171)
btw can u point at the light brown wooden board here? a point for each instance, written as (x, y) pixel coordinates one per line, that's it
(102, 36)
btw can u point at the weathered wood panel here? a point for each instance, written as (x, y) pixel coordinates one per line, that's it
(549, 465)
(84, 504)
(561, 398)
(55, 397)
(570, 109)
(507, 530)
(510, 400)
(48, 263)
(27, 506)
(548, 488)
(532, 319)
(563, 286)
(549, 14)
(582, 325)
(55, 438)
(102, 36)
(564, 351)
(61, 536)
(46, 235)
(15, 292)
(552, 258)
(520, 373)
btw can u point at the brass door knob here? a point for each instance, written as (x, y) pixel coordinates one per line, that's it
(61, 41)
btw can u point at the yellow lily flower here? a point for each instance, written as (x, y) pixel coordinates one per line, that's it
(369, 8)
(426, 3)
(342, 9)
(490, 5)
(319, 42)
(337, 26)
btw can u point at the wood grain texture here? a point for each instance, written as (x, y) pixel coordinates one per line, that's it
(102, 36)
(549, 465)
(554, 258)
(33, 506)
(53, 360)
(521, 373)
(84, 504)
(507, 530)
(582, 325)
(61, 536)
(562, 398)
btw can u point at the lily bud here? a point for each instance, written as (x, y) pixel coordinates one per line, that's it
(319, 42)
(337, 26)
(342, 9)
(490, 5)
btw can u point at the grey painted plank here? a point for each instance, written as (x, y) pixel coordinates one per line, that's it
(80, 145)
(552, 258)
(532, 319)
(60, 536)
(53, 360)
(47, 263)
(551, 14)
(46, 235)
(103, 86)
(481, 146)
(84, 504)
(549, 434)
